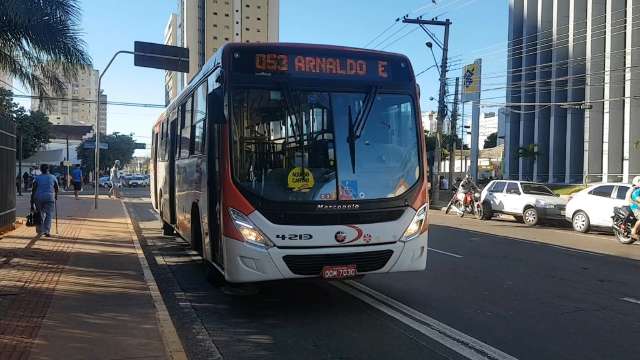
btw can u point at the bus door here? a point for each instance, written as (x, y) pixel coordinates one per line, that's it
(173, 123)
(154, 171)
(214, 148)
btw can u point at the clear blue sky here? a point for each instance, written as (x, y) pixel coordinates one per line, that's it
(479, 30)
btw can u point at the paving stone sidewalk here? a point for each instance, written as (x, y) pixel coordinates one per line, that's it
(80, 294)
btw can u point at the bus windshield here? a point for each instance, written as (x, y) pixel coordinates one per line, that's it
(291, 145)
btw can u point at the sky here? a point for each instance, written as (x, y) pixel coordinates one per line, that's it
(478, 30)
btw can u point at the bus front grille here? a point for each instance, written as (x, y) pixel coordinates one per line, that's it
(313, 264)
(342, 218)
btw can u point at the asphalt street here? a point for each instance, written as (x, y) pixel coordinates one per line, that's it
(492, 290)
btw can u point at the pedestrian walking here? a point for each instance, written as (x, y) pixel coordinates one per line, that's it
(115, 180)
(44, 195)
(76, 177)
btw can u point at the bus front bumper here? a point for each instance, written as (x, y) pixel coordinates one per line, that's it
(248, 263)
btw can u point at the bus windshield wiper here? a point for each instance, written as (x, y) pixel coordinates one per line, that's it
(356, 127)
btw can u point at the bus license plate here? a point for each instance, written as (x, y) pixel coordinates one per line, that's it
(339, 271)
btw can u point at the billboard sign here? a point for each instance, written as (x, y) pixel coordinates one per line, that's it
(471, 81)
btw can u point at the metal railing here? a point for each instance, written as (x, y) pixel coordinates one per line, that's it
(7, 173)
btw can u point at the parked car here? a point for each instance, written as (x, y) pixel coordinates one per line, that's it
(593, 206)
(527, 201)
(139, 180)
(104, 182)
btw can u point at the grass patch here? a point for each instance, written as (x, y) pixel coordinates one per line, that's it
(567, 189)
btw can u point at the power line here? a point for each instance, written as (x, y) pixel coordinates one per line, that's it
(88, 101)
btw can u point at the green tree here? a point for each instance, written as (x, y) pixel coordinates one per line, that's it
(34, 129)
(39, 37)
(120, 147)
(491, 141)
(32, 126)
(529, 152)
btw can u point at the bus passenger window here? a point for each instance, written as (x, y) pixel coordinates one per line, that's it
(185, 136)
(200, 114)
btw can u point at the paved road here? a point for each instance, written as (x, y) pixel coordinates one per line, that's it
(485, 294)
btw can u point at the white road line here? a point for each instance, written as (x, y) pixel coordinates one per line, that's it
(631, 300)
(453, 339)
(445, 253)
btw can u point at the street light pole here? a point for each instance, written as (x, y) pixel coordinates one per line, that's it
(97, 150)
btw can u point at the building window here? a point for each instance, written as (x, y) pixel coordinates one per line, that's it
(215, 13)
(247, 5)
(258, 19)
(215, 25)
(246, 17)
(258, 30)
(215, 38)
(226, 39)
(246, 29)
(226, 26)
(226, 15)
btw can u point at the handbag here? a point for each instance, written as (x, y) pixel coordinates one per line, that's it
(33, 217)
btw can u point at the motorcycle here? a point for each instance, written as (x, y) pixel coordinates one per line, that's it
(465, 203)
(623, 222)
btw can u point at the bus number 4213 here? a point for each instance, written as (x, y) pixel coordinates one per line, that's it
(295, 236)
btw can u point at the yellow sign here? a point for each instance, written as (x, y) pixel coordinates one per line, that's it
(471, 79)
(300, 179)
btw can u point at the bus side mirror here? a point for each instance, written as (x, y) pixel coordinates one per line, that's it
(215, 106)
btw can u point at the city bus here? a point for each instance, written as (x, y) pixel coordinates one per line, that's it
(283, 161)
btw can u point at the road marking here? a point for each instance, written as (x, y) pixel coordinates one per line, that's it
(173, 345)
(631, 300)
(445, 253)
(455, 340)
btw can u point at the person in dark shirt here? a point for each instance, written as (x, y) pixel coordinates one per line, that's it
(76, 178)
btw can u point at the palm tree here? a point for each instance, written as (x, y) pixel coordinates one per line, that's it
(39, 39)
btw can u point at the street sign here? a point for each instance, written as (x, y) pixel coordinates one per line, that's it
(92, 145)
(159, 56)
(140, 146)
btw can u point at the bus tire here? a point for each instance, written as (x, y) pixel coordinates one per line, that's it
(167, 229)
(196, 231)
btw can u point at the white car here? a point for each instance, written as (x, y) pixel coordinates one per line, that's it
(593, 206)
(527, 201)
(138, 180)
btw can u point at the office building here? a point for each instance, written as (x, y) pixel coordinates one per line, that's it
(77, 105)
(203, 26)
(574, 88)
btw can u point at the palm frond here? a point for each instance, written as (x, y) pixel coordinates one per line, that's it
(41, 44)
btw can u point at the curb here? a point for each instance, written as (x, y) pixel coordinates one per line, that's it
(171, 340)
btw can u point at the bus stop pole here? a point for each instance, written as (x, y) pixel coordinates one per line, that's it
(97, 150)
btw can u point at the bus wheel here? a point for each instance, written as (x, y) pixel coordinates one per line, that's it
(167, 229)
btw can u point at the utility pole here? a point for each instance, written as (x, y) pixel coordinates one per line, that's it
(453, 133)
(442, 107)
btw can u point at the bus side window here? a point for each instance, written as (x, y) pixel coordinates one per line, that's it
(185, 136)
(200, 114)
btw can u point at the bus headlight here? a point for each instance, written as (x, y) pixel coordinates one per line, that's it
(250, 233)
(414, 229)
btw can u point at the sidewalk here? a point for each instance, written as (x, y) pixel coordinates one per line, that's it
(81, 294)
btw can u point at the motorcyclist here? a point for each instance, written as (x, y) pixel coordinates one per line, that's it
(634, 199)
(467, 185)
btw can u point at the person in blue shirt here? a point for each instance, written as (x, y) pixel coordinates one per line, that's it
(44, 195)
(635, 206)
(76, 178)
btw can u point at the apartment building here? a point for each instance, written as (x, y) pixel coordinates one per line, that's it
(77, 105)
(204, 26)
